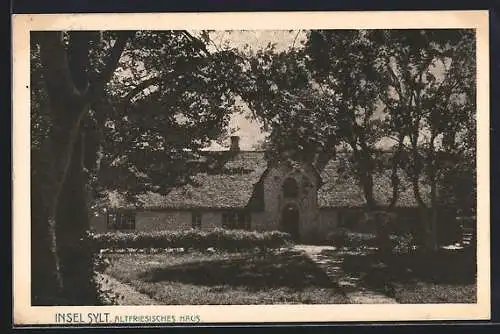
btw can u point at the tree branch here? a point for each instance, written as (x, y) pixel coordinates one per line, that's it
(196, 43)
(396, 83)
(213, 43)
(97, 87)
(139, 88)
(295, 39)
(396, 158)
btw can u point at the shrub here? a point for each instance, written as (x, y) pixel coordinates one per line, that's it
(100, 263)
(228, 240)
(315, 237)
(403, 244)
(344, 238)
(338, 238)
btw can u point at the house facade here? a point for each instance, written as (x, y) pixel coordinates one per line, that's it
(243, 191)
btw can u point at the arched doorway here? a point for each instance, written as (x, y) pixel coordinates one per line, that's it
(290, 221)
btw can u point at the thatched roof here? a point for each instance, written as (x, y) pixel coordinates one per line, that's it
(342, 189)
(233, 186)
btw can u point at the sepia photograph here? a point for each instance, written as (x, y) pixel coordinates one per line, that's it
(328, 166)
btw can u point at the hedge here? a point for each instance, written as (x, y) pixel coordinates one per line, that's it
(343, 238)
(229, 240)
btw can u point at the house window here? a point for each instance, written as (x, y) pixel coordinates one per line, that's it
(236, 220)
(245, 220)
(229, 220)
(290, 188)
(121, 221)
(196, 220)
(340, 219)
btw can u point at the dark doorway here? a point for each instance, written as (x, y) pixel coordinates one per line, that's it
(290, 221)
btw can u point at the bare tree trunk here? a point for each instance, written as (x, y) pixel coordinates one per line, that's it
(432, 242)
(49, 172)
(51, 164)
(428, 215)
(377, 217)
(431, 239)
(395, 164)
(62, 268)
(72, 225)
(49, 169)
(46, 285)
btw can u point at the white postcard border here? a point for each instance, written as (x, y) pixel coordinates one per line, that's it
(25, 314)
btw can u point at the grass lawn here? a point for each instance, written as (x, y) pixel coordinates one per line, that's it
(226, 278)
(428, 292)
(442, 277)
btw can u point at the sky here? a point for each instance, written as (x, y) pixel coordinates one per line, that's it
(249, 131)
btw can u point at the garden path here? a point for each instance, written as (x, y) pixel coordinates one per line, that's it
(126, 295)
(328, 259)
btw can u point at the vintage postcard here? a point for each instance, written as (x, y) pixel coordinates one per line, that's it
(250, 167)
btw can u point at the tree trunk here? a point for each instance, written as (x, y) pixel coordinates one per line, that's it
(431, 240)
(431, 243)
(365, 174)
(72, 220)
(49, 172)
(428, 218)
(428, 214)
(61, 262)
(49, 166)
(378, 217)
(46, 283)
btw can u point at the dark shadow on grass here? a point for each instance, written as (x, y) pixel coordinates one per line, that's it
(289, 269)
(366, 269)
(457, 267)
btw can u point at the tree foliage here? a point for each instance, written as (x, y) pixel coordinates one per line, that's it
(345, 63)
(277, 87)
(411, 92)
(111, 109)
(431, 77)
(168, 98)
(180, 99)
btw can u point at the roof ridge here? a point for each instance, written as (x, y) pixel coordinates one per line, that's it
(240, 151)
